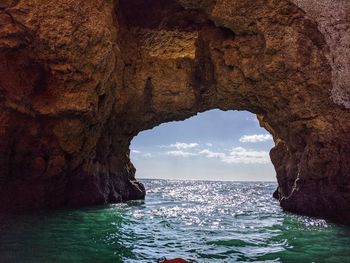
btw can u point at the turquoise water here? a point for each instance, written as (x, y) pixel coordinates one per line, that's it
(198, 220)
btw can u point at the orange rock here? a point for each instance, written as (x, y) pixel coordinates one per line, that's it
(90, 76)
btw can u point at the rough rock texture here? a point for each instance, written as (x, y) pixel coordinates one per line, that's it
(58, 71)
(79, 79)
(333, 21)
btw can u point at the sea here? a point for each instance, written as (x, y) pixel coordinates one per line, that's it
(201, 221)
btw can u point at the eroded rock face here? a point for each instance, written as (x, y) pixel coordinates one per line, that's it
(80, 79)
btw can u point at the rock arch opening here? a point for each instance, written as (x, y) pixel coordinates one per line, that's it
(77, 84)
(214, 145)
(243, 57)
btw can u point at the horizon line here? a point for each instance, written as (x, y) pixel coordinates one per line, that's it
(209, 180)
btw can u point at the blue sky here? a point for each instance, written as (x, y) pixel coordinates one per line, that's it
(214, 145)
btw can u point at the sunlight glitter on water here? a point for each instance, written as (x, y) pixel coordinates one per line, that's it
(198, 220)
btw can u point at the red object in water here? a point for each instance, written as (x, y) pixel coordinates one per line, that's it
(175, 260)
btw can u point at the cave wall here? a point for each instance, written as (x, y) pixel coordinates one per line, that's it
(79, 79)
(333, 19)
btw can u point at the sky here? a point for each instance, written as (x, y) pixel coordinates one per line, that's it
(214, 145)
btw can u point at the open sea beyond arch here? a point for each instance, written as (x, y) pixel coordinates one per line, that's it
(203, 221)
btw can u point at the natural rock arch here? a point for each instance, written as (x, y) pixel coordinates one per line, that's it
(79, 79)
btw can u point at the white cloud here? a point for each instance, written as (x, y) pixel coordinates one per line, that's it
(238, 155)
(139, 153)
(209, 144)
(246, 156)
(209, 154)
(255, 138)
(147, 155)
(180, 153)
(181, 145)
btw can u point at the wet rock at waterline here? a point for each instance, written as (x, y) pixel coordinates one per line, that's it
(78, 82)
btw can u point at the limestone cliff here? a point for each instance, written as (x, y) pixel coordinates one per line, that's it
(79, 79)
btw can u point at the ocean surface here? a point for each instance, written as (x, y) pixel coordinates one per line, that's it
(203, 221)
